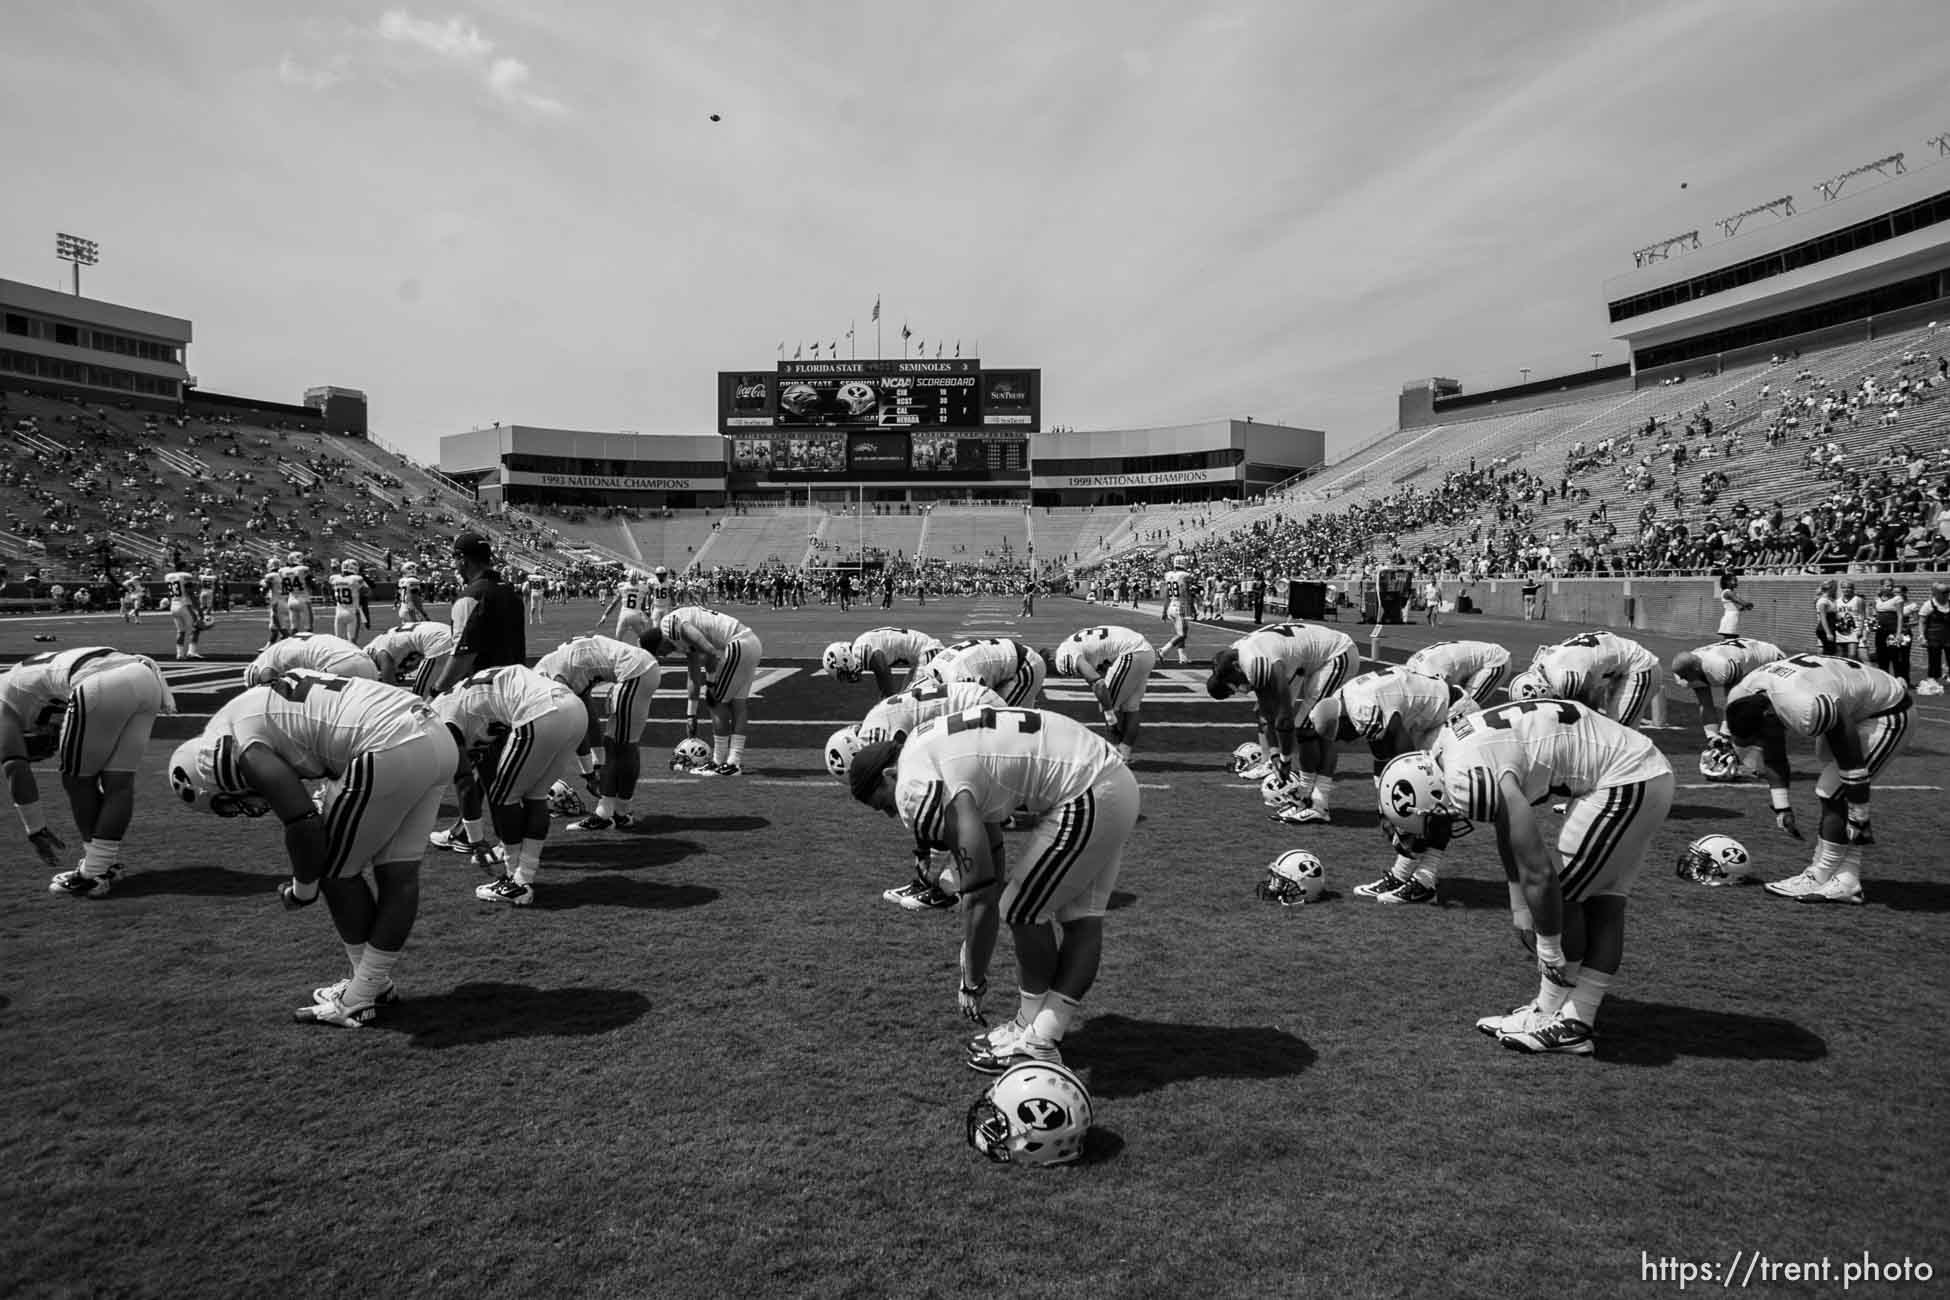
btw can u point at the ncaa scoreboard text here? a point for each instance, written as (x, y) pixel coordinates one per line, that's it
(919, 394)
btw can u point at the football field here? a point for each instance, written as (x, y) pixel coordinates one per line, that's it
(711, 1061)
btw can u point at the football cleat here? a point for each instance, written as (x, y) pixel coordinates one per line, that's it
(1563, 1036)
(454, 838)
(1841, 888)
(1410, 891)
(928, 898)
(1713, 860)
(591, 823)
(387, 996)
(1295, 814)
(1037, 1113)
(900, 894)
(1293, 879)
(1021, 1050)
(1388, 883)
(333, 1011)
(1523, 1018)
(622, 820)
(721, 769)
(996, 1038)
(506, 890)
(1797, 886)
(79, 884)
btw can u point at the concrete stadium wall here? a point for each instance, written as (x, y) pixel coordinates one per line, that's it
(1783, 612)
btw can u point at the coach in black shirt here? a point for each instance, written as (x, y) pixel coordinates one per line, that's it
(490, 631)
(490, 625)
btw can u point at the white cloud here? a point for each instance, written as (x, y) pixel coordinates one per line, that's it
(319, 76)
(454, 42)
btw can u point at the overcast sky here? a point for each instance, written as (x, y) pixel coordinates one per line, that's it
(521, 211)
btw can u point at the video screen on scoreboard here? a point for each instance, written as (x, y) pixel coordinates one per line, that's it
(886, 394)
(871, 451)
(745, 400)
(1012, 398)
(944, 453)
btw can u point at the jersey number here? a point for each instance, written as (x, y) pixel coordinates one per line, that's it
(298, 684)
(1811, 661)
(1503, 716)
(1021, 721)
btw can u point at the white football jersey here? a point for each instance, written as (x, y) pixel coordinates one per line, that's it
(1004, 758)
(1725, 663)
(1181, 586)
(992, 661)
(1812, 694)
(715, 630)
(1279, 657)
(1097, 648)
(178, 584)
(320, 652)
(1552, 747)
(510, 696)
(346, 588)
(1372, 701)
(318, 723)
(633, 597)
(132, 586)
(410, 645)
(295, 579)
(409, 592)
(905, 711)
(662, 594)
(209, 580)
(1458, 661)
(1585, 666)
(898, 645)
(37, 688)
(582, 661)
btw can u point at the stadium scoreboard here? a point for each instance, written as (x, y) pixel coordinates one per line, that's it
(850, 396)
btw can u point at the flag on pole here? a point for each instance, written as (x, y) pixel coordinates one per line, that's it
(815, 351)
(876, 306)
(834, 347)
(957, 347)
(798, 351)
(849, 331)
(781, 347)
(920, 347)
(906, 333)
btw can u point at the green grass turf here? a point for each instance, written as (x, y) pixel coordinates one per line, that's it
(711, 1061)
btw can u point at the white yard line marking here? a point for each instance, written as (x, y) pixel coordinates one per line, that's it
(1758, 788)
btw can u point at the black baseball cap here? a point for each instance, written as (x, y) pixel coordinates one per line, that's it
(473, 546)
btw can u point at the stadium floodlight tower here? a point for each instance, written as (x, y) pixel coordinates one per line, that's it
(1942, 143)
(81, 252)
(1781, 207)
(1660, 249)
(1890, 166)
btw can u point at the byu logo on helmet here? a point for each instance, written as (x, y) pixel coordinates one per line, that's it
(1041, 1113)
(1402, 798)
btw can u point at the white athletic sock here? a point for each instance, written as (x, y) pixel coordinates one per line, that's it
(98, 855)
(353, 953)
(477, 832)
(1323, 793)
(526, 861)
(605, 807)
(374, 973)
(1428, 867)
(720, 748)
(1827, 858)
(1584, 999)
(1053, 1021)
(1552, 997)
(1028, 1006)
(1404, 868)
(737, 750)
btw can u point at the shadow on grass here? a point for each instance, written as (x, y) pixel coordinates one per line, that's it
(1119, 899)
(1128, 1057)
(485, 1013)
(1702, 812)
(619, 854)
(210, 882)
(1101, 1146)
(1469, 891)
(1900, 895)
(1658, 1033)
(659, 824)
(619, 891)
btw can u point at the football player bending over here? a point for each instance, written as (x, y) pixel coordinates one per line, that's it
(384, 760)
(1476, 666)
(722, 657)
(1116, 663)
(1009, 668)
(953, 783)
(1398, 711)
(519, 730)
(879, 651)
(413, 656)
(1613, 674)
(318, 652)
(104, 705)
(1567, 901)
(1290, 668)
(1857, 717)
(1723, 664)
(895, 718)
(583, 662)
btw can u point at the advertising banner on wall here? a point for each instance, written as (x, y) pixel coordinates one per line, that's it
(1012, 398)
(745, 400)
(1218, 474)
(614, 482)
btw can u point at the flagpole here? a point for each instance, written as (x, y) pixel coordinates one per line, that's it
(853, 344)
